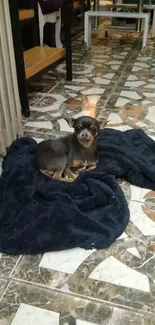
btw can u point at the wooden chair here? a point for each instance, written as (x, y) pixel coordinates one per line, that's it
(37, 58)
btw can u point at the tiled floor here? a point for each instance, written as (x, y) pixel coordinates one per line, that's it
(114, 286)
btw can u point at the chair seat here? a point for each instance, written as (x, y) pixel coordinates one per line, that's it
(40, 57)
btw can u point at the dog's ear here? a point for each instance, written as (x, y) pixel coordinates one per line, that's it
(103, 123)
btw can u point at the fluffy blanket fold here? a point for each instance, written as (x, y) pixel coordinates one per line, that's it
(39, 215)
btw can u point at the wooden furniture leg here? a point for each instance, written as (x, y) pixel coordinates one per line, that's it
(18, 48)
(68, 7)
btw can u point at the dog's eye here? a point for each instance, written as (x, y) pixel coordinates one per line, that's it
(93, 129)
(78, 128)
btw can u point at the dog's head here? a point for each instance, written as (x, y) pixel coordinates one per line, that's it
(86, 129)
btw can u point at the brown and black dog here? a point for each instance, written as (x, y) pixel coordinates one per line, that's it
(66, 156)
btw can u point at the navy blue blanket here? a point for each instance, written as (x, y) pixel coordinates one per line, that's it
(39, 215)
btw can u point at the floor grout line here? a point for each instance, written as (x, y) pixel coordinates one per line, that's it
(81, 296)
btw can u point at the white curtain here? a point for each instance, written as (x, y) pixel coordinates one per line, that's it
(10, 108)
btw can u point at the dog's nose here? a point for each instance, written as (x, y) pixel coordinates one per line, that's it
(84, 135)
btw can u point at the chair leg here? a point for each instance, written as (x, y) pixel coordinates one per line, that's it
(18, 50)
(95, 20)
(58, 32)
(139, 9)
(87, 31)
(41, 33)
(36, 39)
(145, 34)
(153, 24)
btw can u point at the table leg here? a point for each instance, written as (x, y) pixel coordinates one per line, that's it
(139, 9)
(145, 34)
(115, 5)
(153, 24)
(87, 31)
(68, 5)
(96, 19)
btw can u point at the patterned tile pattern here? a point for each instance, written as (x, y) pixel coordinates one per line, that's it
(27, 305)
(115, 286)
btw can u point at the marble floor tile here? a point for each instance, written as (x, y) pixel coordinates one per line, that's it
(37, 269)
(108, 56)
(66, 101)
(123, 97)
(31, 315)
(123, 127)
(88, 68)
(65, 261)
(142, 215)
(151, 132)
(39, 125)
(31, 305)
(35, 96)
(98, 77)
(143, 62)
(136, 82)
(126, 118)
(135, 107)
(3, 284)
(38, 140)
(42, 84)
(138, 69)
(113, 271)
(122, 274)
(113, 81)
(7, 265)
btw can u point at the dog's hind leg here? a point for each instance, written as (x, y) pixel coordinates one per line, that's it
(47, 173)
(58, 173)
(70, 174)
(91, 167)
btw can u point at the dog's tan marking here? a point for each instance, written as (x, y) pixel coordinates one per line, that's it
(47, 172)
(70, 173)
(78, 164)
(58, 174)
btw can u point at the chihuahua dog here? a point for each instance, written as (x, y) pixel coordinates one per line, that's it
(64, 157)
